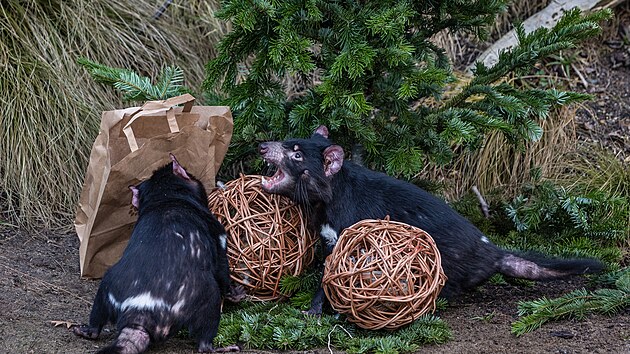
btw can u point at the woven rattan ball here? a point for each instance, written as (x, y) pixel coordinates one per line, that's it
(383, 274)
(267, 235)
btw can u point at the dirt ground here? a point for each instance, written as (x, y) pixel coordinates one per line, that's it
(40, 283)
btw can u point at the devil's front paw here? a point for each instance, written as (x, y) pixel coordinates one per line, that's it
(237, 294)
(86, 331)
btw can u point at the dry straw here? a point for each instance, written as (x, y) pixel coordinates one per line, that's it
(500, 165)
(268, 236)
(383, 274)
(50, 107)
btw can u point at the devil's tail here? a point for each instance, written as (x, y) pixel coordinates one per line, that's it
(130, 340)
(536, 267)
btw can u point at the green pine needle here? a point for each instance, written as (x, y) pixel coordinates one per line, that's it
(575, 305)
(136, 87)
(361, 67)
(283, 327)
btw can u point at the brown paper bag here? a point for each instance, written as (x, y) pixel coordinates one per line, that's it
(132, 143)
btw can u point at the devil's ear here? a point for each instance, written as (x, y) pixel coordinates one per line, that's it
(321, 130)
(333, 159)
(178, 170)
(135, 199)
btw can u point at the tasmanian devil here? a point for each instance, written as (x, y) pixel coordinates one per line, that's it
(340, 193)
(172, 273)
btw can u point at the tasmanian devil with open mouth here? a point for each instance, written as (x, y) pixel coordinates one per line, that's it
(339, 193)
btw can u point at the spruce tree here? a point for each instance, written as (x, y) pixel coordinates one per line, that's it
(368, 67)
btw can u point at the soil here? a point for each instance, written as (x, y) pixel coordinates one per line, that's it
(40, 283)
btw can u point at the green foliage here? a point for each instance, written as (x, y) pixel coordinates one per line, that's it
(363, 67)
(550, 219)
(302, 287)
(576, 305)
(500, 279)
(565, 244)
(468, 206)
(485, 318)
(283, 327)
(584, 221)
(614, 278)
(554, 220)
(546, 208)
(441, 304)
(594, 168)
(427, 329)
(564, 61)
(51, 110)
(136, 87)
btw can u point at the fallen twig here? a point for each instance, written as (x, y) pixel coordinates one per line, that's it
(482, 202)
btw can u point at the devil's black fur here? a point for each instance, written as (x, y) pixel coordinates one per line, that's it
(172, 273)
(340, 193)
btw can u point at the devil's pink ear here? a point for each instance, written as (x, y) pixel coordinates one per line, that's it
(333, 159)
(178, 170)
(135, 199)
(321, 130)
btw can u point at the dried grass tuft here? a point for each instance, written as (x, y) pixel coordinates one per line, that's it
(499, 165)
(50, 107)
(590, 167)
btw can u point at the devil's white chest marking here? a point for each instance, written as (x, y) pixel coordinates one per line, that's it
(329, 235)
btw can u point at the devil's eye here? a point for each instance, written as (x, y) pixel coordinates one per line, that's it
(297, 155)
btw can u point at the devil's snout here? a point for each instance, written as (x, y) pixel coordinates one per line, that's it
(263, 148)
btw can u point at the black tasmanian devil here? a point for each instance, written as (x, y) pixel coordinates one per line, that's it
(340, 193)
(172, 273)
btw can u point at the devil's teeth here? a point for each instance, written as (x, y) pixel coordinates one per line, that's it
(265, 180)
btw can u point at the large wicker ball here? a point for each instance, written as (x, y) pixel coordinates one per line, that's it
(383, 274)
(267, 235)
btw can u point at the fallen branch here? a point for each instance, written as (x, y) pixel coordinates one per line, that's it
(547, 18)
(482, 202)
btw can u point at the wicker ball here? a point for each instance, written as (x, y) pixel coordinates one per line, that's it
(267, 236)
(383, 274)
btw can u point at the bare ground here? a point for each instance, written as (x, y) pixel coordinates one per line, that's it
(40, 283)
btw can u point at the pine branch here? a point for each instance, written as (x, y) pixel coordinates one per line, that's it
(102, 73)
(545, 206)
(302, 287)
(532, 47)
(368, 67)
(577, 304)
(283, 327)
(136, 87)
